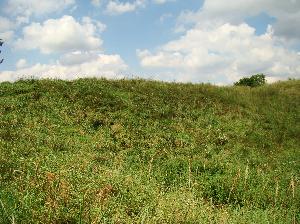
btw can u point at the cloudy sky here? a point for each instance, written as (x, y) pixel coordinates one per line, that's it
(212, 41)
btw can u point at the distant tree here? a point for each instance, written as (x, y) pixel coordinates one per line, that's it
(253, 81)
(1, 43)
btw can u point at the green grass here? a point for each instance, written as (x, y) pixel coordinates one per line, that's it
(136, 151)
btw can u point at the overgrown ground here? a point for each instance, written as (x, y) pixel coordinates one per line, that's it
(135, 151)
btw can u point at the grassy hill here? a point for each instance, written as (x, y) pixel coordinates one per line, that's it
(136, 151)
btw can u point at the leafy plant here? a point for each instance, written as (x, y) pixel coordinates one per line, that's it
(253, 81)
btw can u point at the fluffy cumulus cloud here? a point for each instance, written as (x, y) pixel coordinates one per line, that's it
(77, 44)
(116, 7)
(286, 13)
(24, 9)
(99, 65)
(62, 35)
(221, 47)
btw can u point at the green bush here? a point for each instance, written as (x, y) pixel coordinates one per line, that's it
(253, 81)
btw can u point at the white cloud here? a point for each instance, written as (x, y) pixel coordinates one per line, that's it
(288, 27)
(272, 79)
(116, 7)
(218, 46)
(88, 21)
(162, 1)
(222, 52)
(165, 16)
(109, 66)
(6, 29)
(22, 63)
(5, 24)
(96, 2)
(77, 57)
(286, 13)
(7, 36)
(62, 35)
(24, 9)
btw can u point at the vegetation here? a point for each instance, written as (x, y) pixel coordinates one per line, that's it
(1, 43)
(253, 81)
(136, 151)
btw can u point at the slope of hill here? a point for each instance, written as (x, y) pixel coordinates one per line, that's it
(136, 151)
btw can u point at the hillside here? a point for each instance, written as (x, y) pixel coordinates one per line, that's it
(136, 151)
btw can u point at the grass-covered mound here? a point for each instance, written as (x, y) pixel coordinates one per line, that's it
(135, 151)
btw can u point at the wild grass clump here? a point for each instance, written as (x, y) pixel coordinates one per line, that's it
(136, 151)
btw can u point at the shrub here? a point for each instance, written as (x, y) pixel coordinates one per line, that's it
(253, 81)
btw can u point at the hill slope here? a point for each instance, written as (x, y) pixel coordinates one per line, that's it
(99, 151)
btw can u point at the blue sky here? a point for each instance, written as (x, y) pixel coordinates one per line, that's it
(171, 40)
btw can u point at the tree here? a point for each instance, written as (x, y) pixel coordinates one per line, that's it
(253, 81)
(1, 43)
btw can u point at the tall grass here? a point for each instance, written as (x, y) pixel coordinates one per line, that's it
(137, 151)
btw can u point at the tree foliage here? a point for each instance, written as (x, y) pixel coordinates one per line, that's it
(253, 81)
(1, 43)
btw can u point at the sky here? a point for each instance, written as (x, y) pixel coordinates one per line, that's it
(210, 41)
